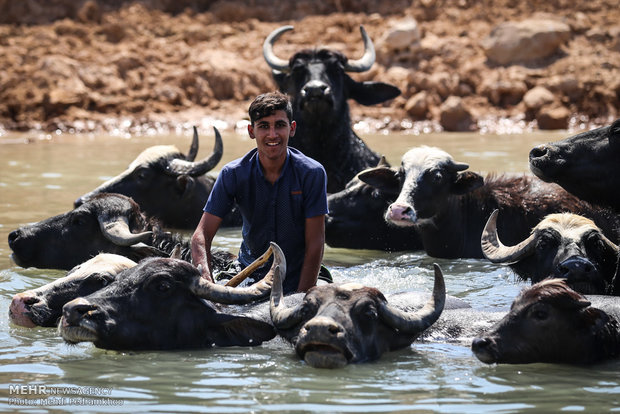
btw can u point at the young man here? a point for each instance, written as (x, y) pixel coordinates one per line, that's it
(281, 193)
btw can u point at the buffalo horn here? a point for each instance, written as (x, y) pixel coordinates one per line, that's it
(283, 317)
(460, 166)
(178, 166)
(416, 323)
(193, 150)
(242, 275)
(495, 251)
(367, 60)
(270, 57)
(235, 295)
(117, 231)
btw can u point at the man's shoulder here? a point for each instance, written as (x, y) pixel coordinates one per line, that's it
(240, 163)
(303, 161)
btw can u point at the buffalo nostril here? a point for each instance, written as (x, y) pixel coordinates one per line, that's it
(13, 236)
(76, 310)
(539, 151)
(334, 329)
(479, 344)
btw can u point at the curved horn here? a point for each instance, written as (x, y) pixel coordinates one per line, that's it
(460, 166)
(366, 61)
(232, 295)
(193, 150)
(176, 252)
(416, 323)
(242, 275)
(282, 316)
(270, 57)
(117, 231)
(495, 251)
(178, 166)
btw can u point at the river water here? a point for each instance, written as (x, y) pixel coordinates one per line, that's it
(40, 176)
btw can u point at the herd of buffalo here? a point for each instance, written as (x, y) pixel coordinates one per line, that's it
(131, 284)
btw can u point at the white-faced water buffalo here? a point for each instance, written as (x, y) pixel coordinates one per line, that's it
(449, 206)
(355, 220)
(562, 245)
(549, 322)
(109, 223)
(43, 306)
(319, 86)
(167, 184)
(164, 303)
(584, 164)
(339, 324)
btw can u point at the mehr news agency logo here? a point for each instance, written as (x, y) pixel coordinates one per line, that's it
(44, 395)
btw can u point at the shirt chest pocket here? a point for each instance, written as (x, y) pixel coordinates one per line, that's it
(297, 206)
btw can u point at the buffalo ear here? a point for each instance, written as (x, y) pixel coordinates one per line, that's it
(467, 181)
(382, 178)
(229, 330)
(185, 185)
(370, 93)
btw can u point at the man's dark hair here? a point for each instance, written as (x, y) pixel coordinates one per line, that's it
(267, 104)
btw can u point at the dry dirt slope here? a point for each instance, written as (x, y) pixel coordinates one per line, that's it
(101, 65)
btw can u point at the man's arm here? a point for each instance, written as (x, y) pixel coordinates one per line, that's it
(315, 242)
(201, 243)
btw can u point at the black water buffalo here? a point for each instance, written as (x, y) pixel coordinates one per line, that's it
(355, 220)
(167, 184)
(584, 164)
(319, 88)
(160, 304)
(562, 245)
(43, 306)
(339, 324)
(108, 223)
(549, 322)
(449, 206)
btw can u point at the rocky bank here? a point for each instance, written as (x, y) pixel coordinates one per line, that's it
(132, 66)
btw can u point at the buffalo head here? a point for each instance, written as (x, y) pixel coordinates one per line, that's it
(110, 223)
(160, 304)
(339, 324)
(583, 164)
(426, 178)
(549, 322)
(166, 183)
(562, 245)
(319, 87)
(43, 306)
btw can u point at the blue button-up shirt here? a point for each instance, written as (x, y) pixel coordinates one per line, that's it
(272, 212)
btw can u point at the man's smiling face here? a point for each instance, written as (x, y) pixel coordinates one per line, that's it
(272, 134)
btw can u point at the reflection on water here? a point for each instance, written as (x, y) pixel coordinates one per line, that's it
(42, 178)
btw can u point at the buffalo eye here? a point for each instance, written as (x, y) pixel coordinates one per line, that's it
(308, 309)
(545, 241)
(79, 220)
(370, 312)
(161, 284)
(594, 241)
(142, 173)
(539, 313)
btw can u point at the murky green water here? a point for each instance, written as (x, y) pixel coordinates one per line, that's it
(41, 178)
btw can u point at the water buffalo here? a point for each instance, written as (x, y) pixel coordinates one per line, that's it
(109, 223)
(449, 206)
(583, 164)
(319, 88)
(335, 325)
(160, 305)
(43, 306)
(562, 245)
(167, 184)
(549, 322)
(355, 220)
